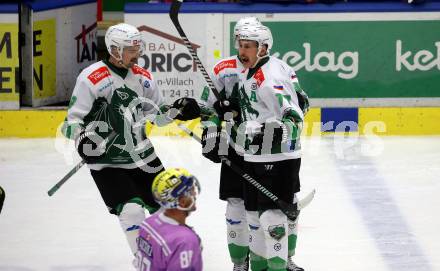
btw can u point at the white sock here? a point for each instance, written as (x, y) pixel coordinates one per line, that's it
(237, 230)
(130, 218)
(274, 224)
(256, 235)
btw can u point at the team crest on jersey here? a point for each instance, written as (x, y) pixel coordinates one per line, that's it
(98, 75)
(232, 63)
(122, 95)
(139, 70)
(254, 86)
(259, 77)
(245, 104)
(277, 231)
(147, 84)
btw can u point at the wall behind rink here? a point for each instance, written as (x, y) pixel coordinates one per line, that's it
(167, 57)
(367, 71)
(385, 55)
(58, 41)
(9, 92)
(362, 67)
(61, 41)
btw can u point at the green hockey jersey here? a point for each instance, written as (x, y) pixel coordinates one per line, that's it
(106, 99)
(269, 93)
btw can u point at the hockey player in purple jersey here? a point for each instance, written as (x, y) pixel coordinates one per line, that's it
(165, 242)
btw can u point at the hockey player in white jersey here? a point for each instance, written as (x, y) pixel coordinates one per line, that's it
(110, 104)
(225, 78)
(272, 110)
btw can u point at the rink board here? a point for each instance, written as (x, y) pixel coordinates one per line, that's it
(357, 121)
(332, 48)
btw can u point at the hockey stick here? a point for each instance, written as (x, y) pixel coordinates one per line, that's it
(65, 178)
(174, 13)
(291, 210)
(76, 168)
(2, 198)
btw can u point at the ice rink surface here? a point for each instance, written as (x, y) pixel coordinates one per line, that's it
(377, 207)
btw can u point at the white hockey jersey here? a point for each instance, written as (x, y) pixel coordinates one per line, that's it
(225, 76)
(106, 98)
(267, 94)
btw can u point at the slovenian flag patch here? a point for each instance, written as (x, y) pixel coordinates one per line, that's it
(278, 87)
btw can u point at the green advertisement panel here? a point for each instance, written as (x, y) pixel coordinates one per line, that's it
(361, 59)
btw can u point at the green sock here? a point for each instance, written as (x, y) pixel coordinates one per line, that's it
(238, 253)
(276, 264)
(291, 239)
(257, 262)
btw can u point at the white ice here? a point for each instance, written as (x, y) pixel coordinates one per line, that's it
(377, 207)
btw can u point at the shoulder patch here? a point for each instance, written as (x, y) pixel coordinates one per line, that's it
(232, 63)
(139, 70)
(259, 76)
(98, 75)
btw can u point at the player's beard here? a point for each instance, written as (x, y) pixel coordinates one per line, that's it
(132, 62)
(244, 59)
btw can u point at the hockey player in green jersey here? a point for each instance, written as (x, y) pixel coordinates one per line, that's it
(225, 76)
(110, 105)
(272, 111)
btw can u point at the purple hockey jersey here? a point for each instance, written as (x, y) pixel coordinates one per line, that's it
(163, 245)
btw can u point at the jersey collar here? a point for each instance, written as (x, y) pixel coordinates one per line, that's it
(119, 71)
(252, 71)
(167, 219)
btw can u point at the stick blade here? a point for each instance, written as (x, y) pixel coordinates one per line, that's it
(306, 200)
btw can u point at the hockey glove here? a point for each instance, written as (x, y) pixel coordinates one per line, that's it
(214, 141)
(228, 105)
(280, 132)
(90, 146)
(187, 109)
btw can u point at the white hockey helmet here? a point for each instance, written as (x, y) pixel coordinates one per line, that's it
(241, 23)
(169, 185)
(259, 33)
(123, 35)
